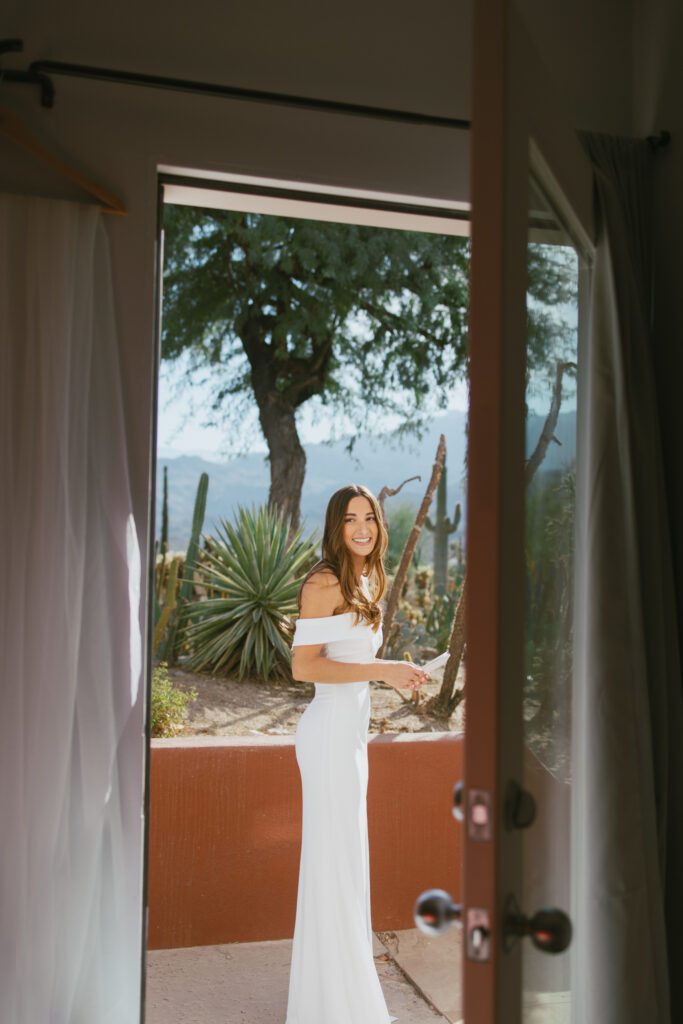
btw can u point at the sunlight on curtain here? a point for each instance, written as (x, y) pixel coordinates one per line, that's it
(69, 629)
(628, 792)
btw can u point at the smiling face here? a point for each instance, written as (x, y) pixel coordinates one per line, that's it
(360, 528)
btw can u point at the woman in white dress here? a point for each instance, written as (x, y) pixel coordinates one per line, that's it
(333, 979)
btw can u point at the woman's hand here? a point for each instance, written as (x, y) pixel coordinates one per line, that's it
(402, 675)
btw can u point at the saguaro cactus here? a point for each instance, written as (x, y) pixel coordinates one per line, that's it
(178, 615)
(164, 516)
(161, 546)
(442, 527)
(167, 613)
(193, 546)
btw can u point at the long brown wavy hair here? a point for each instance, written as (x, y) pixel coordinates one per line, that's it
(337, 557)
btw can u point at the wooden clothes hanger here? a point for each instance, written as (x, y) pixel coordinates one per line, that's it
(14, 130)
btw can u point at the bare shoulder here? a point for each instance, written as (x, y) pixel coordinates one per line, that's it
(320, 595)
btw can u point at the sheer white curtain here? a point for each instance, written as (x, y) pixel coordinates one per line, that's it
(628, 755)
(70, 644)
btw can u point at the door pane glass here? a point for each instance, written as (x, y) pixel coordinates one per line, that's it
(552, 312)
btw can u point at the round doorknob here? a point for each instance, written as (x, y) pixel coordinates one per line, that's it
(435, 911)
(549, 929)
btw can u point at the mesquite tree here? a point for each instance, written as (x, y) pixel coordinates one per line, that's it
(279, 311)
(369, 321)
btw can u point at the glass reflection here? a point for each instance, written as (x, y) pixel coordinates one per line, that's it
(552, 350)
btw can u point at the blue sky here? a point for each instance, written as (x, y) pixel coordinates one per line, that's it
(181, 429)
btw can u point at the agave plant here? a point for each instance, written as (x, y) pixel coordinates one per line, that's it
(253, 570)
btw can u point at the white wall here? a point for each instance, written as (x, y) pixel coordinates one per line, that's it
(586, 46)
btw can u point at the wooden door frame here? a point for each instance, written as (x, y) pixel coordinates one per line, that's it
(518, 123)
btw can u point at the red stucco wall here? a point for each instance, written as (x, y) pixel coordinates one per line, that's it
(225, 832)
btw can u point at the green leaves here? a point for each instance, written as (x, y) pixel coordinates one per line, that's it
(169, 703)
(369, 323)
(253, 571)
(337, 311)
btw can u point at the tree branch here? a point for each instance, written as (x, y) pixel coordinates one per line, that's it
(385, 316)
(316, 370)
(548, 432)
(402, 571)
(448, 697)
(389, 492)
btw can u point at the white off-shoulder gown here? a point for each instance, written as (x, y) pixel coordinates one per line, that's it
(333, 979)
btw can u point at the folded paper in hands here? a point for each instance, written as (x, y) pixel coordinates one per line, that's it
(435, 663)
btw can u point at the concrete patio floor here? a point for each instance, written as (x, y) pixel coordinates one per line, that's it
(247, 982)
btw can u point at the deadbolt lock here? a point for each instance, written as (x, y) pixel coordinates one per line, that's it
(478, 934)
(476, 807)
(479, 814)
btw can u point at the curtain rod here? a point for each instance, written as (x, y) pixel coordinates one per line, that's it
(55, 67)
(39, 71)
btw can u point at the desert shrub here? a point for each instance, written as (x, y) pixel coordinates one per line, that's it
(169, 703)
(439, 618)
(252, 569)
(424, 619)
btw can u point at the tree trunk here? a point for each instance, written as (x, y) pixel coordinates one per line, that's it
(402, 571)
(286, 456)
(448, 698)
(548, 433)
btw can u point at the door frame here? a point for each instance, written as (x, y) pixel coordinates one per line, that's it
(194, 187)
(519, 124)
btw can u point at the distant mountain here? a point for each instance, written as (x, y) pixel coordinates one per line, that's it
(376, 462)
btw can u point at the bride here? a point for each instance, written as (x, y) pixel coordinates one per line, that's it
(333, 979)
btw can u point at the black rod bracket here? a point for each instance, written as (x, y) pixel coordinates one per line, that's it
(30, 77)
(660, 140)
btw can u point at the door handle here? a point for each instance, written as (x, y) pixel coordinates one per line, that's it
(550, 929)
(435, 912)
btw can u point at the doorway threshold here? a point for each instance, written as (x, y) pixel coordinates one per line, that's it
(247, 983)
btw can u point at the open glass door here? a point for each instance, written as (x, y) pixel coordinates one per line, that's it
(531, 233)
(557, 272)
